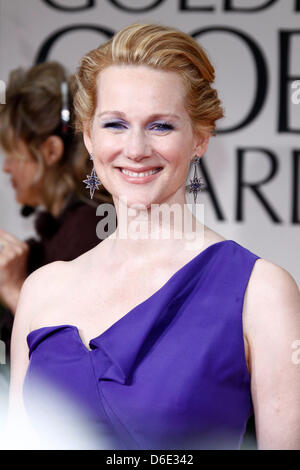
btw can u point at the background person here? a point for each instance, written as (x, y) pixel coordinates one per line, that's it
(46, 161)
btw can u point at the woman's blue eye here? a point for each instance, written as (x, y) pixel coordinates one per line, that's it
(157, 126)
(114, 125)
(161, 126)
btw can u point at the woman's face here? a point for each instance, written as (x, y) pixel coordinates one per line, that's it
(141, 124)
(22, 169)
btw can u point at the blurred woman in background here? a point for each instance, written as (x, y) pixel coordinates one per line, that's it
(47, 163)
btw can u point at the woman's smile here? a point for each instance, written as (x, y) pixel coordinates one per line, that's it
(139, 176)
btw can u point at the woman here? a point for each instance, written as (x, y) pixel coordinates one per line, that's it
(46, 161)
(207, 335)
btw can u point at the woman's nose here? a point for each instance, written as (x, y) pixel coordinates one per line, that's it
(137, 144)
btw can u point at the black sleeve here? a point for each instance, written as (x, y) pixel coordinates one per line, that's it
(6, 324)
(35, 256)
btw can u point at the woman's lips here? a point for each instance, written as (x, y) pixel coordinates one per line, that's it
(140, 179)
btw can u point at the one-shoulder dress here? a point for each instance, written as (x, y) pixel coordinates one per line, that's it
(170, 374)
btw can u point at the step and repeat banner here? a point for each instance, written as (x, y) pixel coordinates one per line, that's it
(252, 167)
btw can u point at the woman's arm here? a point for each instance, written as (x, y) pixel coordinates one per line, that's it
(33, 298)
(13, 268)
(18, 429)
(272, 325)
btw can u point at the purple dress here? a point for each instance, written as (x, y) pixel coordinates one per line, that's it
(170, 374)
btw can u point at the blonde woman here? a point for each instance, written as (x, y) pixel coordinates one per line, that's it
(152, 342)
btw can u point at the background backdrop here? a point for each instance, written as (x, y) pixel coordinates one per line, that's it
(252, 167)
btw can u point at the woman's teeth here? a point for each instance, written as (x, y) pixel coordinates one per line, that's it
(140, 174)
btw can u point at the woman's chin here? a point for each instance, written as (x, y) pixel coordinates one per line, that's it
(20, 200)
(23, 201)
(135, 203)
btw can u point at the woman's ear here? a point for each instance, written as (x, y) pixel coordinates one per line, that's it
(52, 149)
(201, 145)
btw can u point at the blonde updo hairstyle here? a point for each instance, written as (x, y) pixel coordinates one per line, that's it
(159, 47)
(31, 114)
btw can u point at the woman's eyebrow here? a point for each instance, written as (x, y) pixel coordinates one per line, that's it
(164, 116)
(149, 118)
(118, 113)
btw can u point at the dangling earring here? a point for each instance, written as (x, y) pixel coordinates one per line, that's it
(196, 183)
(92, 181)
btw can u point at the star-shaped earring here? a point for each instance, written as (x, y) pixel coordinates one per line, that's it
(92, 182)
(196, 183)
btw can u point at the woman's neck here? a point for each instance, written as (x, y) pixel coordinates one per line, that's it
(160, 227)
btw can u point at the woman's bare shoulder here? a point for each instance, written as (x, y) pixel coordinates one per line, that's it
(39, 286)
(51, 277)
(272, 327)
(48, 275)
(271, 306)
(271, 284)
(45, 288)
